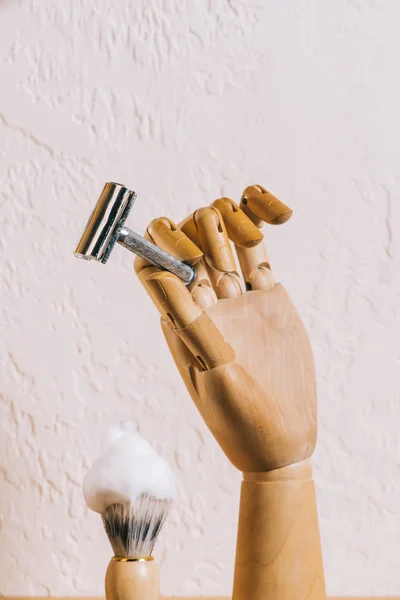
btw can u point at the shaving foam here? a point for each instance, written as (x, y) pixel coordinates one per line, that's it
(128, 467)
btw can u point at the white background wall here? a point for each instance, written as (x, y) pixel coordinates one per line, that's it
(184, 102)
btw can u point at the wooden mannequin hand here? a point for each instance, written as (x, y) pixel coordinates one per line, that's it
(245, 358)
(241, 350)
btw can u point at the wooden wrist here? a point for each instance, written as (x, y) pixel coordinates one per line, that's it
(299, 471)
(278, 555)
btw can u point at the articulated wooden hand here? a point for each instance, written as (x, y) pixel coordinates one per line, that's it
(245, 358)
(237, 341)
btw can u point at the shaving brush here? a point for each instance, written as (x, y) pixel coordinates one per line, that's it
(132, 488)
(132, 530)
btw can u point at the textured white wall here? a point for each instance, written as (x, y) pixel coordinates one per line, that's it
(186, 101)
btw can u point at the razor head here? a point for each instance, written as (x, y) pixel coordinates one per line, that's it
(109, 215)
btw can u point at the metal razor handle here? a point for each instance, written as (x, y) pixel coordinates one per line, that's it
(155, 255)
(105, 227)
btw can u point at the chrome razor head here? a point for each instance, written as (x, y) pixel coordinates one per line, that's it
(106, 226)
(102, 228)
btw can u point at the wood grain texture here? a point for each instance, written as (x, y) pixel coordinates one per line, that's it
(261, 206)
(278, 554)
(240, 228)
(132, 581)
(261, 407)
(247, 363)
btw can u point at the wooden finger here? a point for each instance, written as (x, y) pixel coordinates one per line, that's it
(214, 242)
(201, 289)
(193, 326)
(241, 230)
(255, 266)
(164, 233)
(171, 296)
(206, 227)
(172, 239)
(206, 342)
(188, 226)
(250, 250)
(261, 206)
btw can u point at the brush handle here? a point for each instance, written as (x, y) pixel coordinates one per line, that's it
(278, 554)
(138, 580)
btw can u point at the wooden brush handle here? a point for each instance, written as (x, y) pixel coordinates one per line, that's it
(132, 580)
(278, 555)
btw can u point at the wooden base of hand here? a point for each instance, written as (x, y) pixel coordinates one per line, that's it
(278, 554)
(137, 580)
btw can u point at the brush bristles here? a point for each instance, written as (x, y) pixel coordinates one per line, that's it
(133, 528)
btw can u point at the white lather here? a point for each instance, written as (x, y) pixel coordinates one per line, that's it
(128, 468)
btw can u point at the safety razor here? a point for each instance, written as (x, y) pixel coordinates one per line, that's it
(106, 226)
